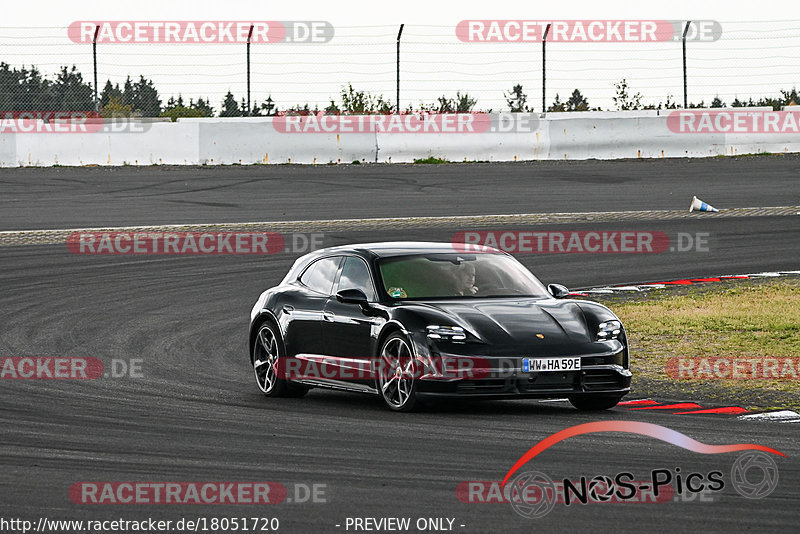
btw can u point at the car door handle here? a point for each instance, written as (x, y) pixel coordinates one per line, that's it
(328, 316)
(288, 308)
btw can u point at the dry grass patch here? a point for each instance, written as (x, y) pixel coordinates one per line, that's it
(760, 320)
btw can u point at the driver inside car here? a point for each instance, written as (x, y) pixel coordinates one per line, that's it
(465, 279)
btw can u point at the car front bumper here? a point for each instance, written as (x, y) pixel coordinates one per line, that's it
(503, 377)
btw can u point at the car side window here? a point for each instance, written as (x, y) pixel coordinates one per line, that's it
(355, 275)
(319, 275)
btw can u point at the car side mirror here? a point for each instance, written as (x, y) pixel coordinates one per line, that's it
(352, 296)
(558, 291)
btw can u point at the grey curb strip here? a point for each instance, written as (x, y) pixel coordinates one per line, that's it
(58, 236)
(780, 416)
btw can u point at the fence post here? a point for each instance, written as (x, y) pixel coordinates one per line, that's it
(685, 94)
(94, 58)
(249, 35)
(399, 33)
(544, 70)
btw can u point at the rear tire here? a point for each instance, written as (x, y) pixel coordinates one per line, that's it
(594, 403)
(268, 358)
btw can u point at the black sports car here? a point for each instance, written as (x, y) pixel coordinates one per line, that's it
(413, 321)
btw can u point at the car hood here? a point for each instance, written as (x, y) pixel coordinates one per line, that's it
(529, 325)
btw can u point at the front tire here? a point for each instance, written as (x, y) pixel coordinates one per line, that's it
(396, 374)
(594, 403)
(268, 359)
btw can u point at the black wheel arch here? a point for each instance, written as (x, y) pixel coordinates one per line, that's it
(265, 316)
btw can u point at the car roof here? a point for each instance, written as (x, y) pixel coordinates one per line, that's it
(401, 248)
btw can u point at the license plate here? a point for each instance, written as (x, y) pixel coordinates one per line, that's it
(549, 365)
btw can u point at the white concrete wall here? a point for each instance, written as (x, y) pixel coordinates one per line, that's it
(213, 141)
(258, 142)
(642, 137)
(154, 144)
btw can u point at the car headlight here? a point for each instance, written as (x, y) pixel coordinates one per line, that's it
(448, 333)
(609, 330)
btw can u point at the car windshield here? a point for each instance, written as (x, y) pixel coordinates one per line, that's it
(450, 275)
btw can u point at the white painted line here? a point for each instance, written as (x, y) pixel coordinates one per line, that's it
(782, 416)
(767, 274)
(627, 288)
(411, 222)
(554, 400)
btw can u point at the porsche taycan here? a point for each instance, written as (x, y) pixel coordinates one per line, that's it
(414, 322)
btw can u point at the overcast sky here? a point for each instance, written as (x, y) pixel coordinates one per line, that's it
(756, 56)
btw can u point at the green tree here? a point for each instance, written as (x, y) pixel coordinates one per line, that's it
(229, 107)
(298, 110)
(464, 103)
(356, 101)
(176, 109)
(110, 91)
(717, 102)
(557, 105)
(359, 102)
(35, 92)
(127, 91)
(26, 89)
(23, 89)
(202, 107)
(255, 109)
(9, 80)
(269, 107)
(670, 103)
(332, 108)
(790, 97)
(517, 99)
(115, 107)
(177, 112)
(623, 99)
(775, 103)
(70, 91)
(145, 99)
(446, 105)
(577, 102)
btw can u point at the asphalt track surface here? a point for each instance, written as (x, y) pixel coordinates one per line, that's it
(195, 415)
(81, 197)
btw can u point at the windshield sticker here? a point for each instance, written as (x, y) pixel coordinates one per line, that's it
(397, 292)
